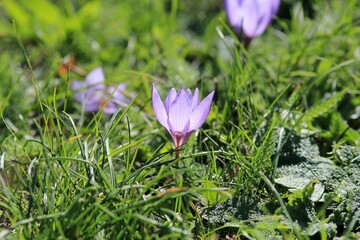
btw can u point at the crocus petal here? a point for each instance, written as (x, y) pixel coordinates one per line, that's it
(80, 96)
(86, 90)
(234, 13)
(275, 6)
(110, 107)
(91, 106)
(265, 15)
(180, 139)
(251, 18)
(189, 94)
(80, 87)
(159, 108)
(116, 91)
(95, 78)
(117, 95)
(94, 94)
(200, 113)
(170, 99)
(195, 100)
(179, 112)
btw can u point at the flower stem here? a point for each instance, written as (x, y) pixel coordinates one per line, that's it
(177, 152)
(247, 41)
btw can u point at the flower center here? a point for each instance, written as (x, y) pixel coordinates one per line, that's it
(102, 98)
(178, 138)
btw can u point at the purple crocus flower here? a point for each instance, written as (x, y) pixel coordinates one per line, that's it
(251, 17)
(94, 94)
(182, 114)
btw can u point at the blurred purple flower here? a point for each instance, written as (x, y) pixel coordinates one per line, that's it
(251, 17)
(182, 114)
(94, 94)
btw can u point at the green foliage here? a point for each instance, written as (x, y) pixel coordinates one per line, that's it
(300, 206)
(323, 107)
(239, 207)
(43, 20)
(314, 180)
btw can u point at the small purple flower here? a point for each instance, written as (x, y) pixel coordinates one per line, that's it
(182, 114)
(251, 17)
(94, 94)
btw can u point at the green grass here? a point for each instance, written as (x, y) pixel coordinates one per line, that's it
(278, 157)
